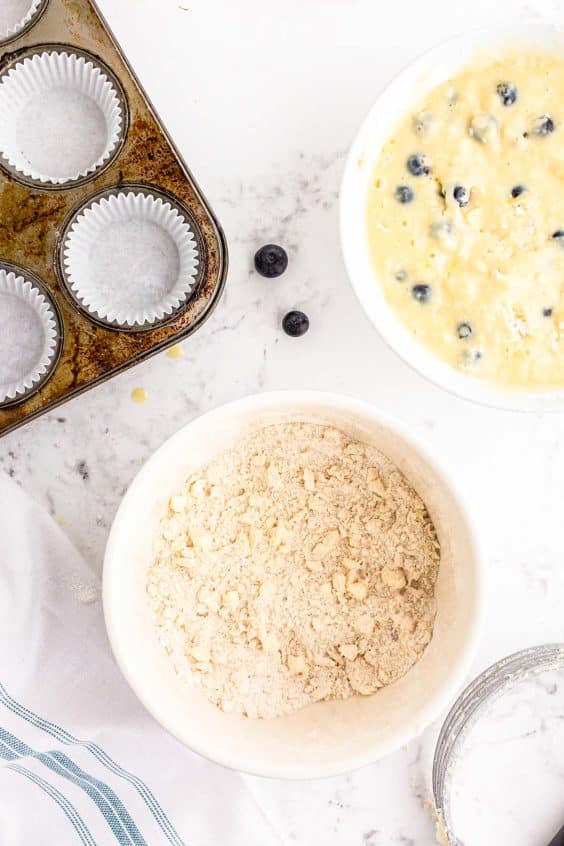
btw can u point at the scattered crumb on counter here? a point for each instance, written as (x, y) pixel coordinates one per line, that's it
(442, 836)
(175, 352)
(139, 395)
(86, 594)
(438, 820)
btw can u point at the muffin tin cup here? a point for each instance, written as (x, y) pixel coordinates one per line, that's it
(30, 335)
(63, 66)
(130, 258)
(54, 84)
(12, 24)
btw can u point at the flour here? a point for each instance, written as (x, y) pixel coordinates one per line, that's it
(297, 567)
(506, 782)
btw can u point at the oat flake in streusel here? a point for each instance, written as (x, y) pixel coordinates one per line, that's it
(299, 566)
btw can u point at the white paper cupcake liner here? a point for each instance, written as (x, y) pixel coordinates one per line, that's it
(61, 117)
(15, 16)
(130, 259)
(28, 336)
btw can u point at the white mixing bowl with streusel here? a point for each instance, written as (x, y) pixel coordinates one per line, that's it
(292, 586)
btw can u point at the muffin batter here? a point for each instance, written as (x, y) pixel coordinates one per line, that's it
(465, 220)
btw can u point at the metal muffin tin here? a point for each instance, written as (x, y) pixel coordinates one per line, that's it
(35, 217)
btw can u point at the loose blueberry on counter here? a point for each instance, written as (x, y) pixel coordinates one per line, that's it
(404, 194)
(461, 195)
(418, 164)
(559, 236)
(271, 261)
(400, 275)
(507, 92)
(421, 292)
(543, 126)
(517, 191)
(547, 312)
(464, 331)
(295, 324)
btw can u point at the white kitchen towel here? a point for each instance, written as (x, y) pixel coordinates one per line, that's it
(81, 762)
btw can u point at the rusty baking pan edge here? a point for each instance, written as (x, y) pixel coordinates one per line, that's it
(105, 377)
(223, 256)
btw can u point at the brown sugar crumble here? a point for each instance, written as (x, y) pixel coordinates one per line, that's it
(298, 566)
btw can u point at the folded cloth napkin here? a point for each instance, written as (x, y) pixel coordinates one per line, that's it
(81, 761)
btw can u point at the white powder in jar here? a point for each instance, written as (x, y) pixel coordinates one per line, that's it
(506, 782)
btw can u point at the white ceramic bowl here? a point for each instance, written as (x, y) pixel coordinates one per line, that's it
(397, 99)
(325, 738)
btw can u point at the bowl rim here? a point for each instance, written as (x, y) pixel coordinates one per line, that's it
(399, 339)
(458, 671)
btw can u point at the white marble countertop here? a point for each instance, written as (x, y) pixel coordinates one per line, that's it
(263, 100)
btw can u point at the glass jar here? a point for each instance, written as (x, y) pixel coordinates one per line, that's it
(499, 760)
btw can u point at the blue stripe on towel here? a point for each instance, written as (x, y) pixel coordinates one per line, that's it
(115, 814)
(69, 811)
(6, 753)
(69, 740)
